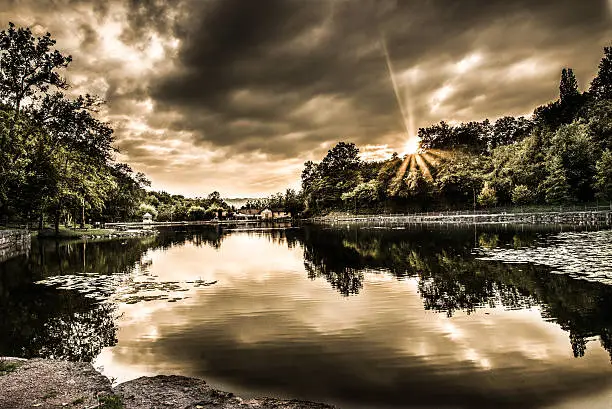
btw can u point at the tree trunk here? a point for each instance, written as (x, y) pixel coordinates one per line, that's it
(41, 221)
(56, 220)
(82, 213)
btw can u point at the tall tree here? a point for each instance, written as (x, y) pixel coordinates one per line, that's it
(555, 186)
(603, 178)
(568, 87)
(601, 86)
(28, 66)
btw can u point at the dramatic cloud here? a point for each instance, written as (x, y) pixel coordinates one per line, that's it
(233, 95)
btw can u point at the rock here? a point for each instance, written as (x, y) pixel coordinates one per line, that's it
(178, 392)
(47, 384)
(50, 384)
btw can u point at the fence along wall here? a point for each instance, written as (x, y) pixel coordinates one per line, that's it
(13, 243)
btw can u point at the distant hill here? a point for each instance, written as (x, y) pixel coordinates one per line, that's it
(238, 202)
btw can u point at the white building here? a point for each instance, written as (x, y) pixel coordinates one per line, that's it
(147, 218)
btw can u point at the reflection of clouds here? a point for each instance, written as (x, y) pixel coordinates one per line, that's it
(265, 326)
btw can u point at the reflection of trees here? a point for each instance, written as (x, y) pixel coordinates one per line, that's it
(38, 321)
(451, 279)
(197, 235)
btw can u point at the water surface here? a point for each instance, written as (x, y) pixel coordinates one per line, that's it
(357, 316)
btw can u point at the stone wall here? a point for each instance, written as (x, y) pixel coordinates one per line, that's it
(13, 243)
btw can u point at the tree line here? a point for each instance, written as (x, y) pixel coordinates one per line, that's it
(562, 154)
(56, 157)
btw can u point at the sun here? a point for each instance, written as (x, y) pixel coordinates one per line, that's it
(412, 146)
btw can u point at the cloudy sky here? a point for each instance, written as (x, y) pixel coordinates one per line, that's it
(234, 95)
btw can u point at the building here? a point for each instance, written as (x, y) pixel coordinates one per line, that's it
(147, 218)
(280, 214)
(267, 214)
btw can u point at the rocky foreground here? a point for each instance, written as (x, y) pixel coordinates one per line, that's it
(41, 383)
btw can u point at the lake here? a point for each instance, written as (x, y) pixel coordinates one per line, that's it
(358, 316)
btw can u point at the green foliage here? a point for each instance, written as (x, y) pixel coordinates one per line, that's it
(110, 402)
(603, 177)
(56, 157)
(575, 149)
(522, 195)
(363, 192)
(470, 137)
(7, 367)
(28, 66)
(555, 186)
(487, 196)
(338, 173)
(146, 208)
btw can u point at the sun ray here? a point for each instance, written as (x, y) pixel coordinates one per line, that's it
(430, 159)
(423, 166)
(439, 154)
(413, 162)
(395, 86)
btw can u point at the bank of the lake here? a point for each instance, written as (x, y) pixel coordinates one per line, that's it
(44, 383)
(13, 243)
(66, 233)
(579, 218)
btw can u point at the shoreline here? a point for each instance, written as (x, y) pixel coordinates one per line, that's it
(46, 383)
(577, 218)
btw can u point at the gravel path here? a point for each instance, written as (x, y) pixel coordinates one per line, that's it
(40, 383)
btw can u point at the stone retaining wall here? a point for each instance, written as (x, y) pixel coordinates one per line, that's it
(13, 243)
(585, 218)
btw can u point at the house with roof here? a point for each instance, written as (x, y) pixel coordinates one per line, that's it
(147, 218)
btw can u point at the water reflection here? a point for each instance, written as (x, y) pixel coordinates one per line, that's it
(398, 317)
(451, 279)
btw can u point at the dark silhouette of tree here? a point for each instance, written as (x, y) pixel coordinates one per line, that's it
(601, 86)
(568, 87)
(28, 66)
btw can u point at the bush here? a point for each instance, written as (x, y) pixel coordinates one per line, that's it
(487, 196)
(521, 195)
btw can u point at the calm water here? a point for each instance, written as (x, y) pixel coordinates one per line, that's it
(416, 317)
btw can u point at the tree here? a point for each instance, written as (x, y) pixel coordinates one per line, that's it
(555, 186)
(574, 147)
(487, 196)
(215, 198)
(146, 208)
(365, 192)
(28, 66)
(196, 213)
(601, 86)
(338, 173)
(568, 87)
(82, 148)
(603, 177)
(521, 195)
(469, 137)
(509, 130)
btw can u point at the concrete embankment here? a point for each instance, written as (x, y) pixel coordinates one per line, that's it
(46, 384)
(13, 243)
(571, 218)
